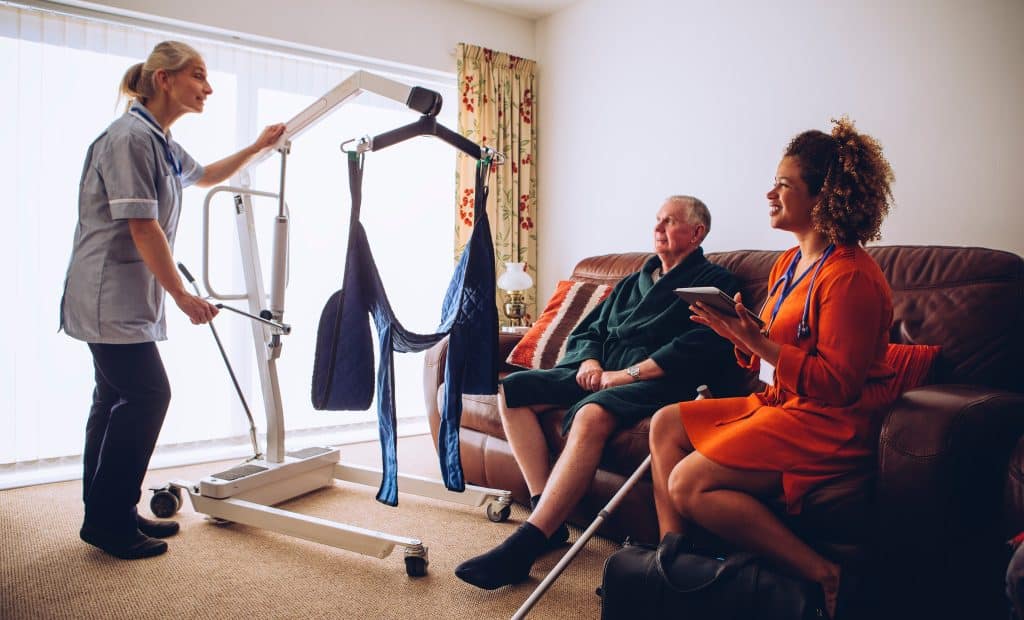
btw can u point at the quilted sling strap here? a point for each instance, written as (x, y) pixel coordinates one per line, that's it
(343, 363)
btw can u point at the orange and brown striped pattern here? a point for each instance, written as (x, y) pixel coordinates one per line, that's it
(544, 344)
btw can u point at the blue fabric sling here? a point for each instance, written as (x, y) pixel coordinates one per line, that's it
(343, 363)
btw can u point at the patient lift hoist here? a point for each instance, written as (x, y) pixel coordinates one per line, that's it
(248, 492)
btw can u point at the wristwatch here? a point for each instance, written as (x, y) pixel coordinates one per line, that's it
(634, 372)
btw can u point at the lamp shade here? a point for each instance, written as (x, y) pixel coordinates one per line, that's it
(515, 278)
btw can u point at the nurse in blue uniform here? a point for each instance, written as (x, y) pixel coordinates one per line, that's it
(121, 266)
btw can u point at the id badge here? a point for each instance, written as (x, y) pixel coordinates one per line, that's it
(767, 373)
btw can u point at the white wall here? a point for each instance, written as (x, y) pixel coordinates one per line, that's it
(421, 33)
(643, 99)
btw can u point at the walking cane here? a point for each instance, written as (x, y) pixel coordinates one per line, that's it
(556, 572)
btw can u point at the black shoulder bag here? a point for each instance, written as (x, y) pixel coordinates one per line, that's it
(671, 581)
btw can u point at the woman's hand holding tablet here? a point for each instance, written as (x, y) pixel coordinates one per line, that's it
(715, 298)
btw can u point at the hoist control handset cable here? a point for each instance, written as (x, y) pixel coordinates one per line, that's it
(234, 380)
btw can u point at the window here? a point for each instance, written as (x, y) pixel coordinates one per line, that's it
(66, 71)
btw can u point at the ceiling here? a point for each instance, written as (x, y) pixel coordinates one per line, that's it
(530, 9)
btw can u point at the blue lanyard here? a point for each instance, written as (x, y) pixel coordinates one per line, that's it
(172, 161)
(789, 280)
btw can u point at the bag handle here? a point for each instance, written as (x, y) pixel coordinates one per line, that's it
(672, 546)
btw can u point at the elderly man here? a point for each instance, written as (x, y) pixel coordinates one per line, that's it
(635, 353)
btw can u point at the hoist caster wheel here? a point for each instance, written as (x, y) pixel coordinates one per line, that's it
(498, 513)
(415, 566)
(165, 503)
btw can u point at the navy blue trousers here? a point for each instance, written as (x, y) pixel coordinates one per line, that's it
(128, 408)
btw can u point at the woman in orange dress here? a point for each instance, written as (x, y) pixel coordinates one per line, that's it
(821, 354)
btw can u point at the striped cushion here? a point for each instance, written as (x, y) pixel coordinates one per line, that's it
(544, 344)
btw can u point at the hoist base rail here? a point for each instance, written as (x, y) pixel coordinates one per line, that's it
(255, 486)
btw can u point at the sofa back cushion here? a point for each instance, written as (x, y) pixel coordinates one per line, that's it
(969, 301)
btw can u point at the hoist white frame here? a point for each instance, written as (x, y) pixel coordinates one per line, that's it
(247, 493)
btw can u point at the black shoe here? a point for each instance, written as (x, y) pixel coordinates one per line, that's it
(157, 529)
(131, 546)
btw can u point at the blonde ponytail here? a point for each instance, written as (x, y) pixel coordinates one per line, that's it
(137, 83)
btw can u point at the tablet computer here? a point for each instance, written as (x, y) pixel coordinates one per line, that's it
(715, 298)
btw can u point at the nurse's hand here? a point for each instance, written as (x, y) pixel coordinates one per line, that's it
(269, 136)
(221, 170)
(197, 309)
(738, 329)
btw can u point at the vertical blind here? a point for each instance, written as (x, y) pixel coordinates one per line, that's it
(62, 74)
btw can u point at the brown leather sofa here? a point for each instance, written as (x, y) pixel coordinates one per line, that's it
(928, 529)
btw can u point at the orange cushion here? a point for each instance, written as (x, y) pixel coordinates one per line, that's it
(912, 363)
(544, 344)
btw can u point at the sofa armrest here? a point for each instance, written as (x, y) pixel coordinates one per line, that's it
(507, 342)
(433, 377)
(943, 450)
(433, 374)
(942, 461)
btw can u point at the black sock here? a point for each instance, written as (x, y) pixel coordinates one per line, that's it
(507, 563)
(560, 535)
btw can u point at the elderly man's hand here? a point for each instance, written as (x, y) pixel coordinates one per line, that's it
(613, 378)
(588, 376)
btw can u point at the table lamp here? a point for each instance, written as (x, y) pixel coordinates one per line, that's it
(514, 281)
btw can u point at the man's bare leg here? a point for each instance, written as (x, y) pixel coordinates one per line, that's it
(510, 562)
(575, 468)
(525, 437)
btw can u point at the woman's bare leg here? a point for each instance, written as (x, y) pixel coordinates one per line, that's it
(725, 501)
(669, 444)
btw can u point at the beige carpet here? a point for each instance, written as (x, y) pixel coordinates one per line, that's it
(237, 571)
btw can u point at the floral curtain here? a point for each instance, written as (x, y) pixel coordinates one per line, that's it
(498, 109)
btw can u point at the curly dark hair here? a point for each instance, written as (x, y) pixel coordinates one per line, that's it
(851, 176)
